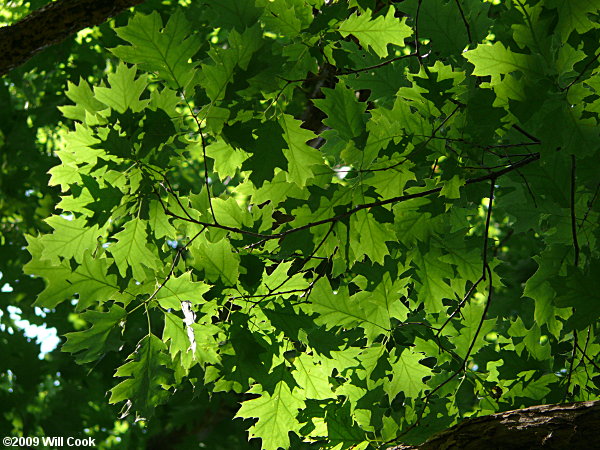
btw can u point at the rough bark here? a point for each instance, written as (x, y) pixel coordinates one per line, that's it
(566, 426)
(52, 24)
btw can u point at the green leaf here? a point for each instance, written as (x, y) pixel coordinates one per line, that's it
(407, 375)
(166, 51)
(581, 291)
(432, 273)
(337, 309)
(78, 151)
(70, 239)
(495, 60)
(285, 17)
(100, 338)
(92, 281)
(124, 92)
(175, 335)
(276, 414)
(180, 289)
(228, 159)
(130, 250)
(536, 349)
(574, 15)
(344, 112)
(438, 21)
(383, 303)
(539, 288)
(376, 33)
(204, 349)
(390, 183)
(217, 261)
(84, 99)
(369, 237)
(451, 188)
(208, 342)
(463, 253)
(277, 190)
(235, 14)
(299, 196)
(89, 280)
(215, 77)
(159, 221)
(301, 157)
(344, 432)
(147, 379)
(158, 131)
(265, 143)
(312, 377)
(467, 334)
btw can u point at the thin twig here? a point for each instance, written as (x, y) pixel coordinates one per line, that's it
(575, 263)
(289, 277)
(585, 356)
(306, 291)
(573, 220)
(484, 314)
(203, 143)
(462, 367)
(585, 346)
(434, 168)
(377, 66)
(429, 138)
(399, 199)
(475, 144)
(590, 205)
(170, 190)
(583, 71)
(269, 294)
(485, 167)
(171, 271)
(174, 263)
(464, 19)
(417, 44)
(570, 373)
(403, 324)
(460, 305)
(487, 227)
(487, 274)
(526, 134)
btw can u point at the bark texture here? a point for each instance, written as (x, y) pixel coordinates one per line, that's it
(565, 426)
(51, 24)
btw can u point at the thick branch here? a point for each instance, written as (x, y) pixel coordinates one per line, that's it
(51, 24)
(572, 425)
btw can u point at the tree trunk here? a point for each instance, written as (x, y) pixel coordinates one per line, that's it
(51, 24)
(565, 426)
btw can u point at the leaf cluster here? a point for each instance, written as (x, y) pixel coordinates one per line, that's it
(371, 219)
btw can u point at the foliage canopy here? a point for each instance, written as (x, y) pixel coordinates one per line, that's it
(372, 219)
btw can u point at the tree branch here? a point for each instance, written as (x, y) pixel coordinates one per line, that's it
(399, 199)
(570, 425)
(52, 24)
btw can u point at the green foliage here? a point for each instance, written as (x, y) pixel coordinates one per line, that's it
(148, 380)
(333, 214)
(93, 342)
(165, 51)
(376, 33)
